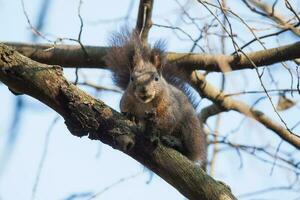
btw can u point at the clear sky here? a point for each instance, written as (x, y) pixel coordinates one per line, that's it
(78, 165)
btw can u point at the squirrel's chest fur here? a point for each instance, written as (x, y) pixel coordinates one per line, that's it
(166, 109)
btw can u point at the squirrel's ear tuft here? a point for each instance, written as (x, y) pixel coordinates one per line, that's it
(157, 62)
(158, 57)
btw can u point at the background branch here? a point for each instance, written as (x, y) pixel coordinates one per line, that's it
(73, 56)
(226, 103)
(144, 22)
(269, 11)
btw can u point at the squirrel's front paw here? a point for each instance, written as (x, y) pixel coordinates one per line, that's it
(150, 115)
(131, 117)
(151, 131)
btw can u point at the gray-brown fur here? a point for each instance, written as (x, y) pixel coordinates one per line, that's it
(139, 71)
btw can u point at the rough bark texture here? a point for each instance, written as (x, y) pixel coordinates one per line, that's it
(85, 115)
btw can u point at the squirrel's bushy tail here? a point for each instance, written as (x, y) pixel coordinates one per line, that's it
(178, 78)
(120, 57)
(117, 57)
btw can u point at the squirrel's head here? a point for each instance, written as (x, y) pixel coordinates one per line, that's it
(146, 79)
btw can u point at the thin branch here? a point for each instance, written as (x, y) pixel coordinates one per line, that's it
(43, 158)
(34, 30)
(271, 189)
(268, 35)
(268, 10)
(124, 179)
(223, 82)
(99, 87)
(183, 32)
(289, 6)
(253, 150)
(278, 91)
(78, 195)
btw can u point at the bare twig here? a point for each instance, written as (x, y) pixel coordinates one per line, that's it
(98, 87)
(270, 189)
(118, 182)
(278, 91)
(34, 30)
(269, 12)
(43, 158)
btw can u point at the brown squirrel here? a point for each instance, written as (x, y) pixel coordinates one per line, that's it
(140, 71)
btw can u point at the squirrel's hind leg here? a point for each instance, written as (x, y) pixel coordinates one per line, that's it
(172, 142)
(194, 141)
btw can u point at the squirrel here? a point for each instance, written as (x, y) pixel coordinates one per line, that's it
(143, 73)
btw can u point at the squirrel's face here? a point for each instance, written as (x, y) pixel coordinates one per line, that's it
(146, 84)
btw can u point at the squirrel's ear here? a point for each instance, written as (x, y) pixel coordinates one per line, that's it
(157, 61)
(137, 61)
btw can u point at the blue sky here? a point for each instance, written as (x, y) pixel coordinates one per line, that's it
(72, 164)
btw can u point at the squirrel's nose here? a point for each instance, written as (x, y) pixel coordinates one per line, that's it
(143, 90)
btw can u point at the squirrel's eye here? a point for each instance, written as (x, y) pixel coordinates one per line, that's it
(156, 78)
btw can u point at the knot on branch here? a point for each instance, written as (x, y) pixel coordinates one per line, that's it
(81, 118)
(81, 121)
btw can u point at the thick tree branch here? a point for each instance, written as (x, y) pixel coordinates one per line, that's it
(85, 115)
(260, 58)
(226, 103)
(73, 56)
(64, 55)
